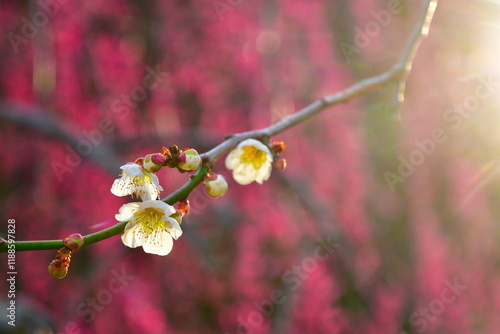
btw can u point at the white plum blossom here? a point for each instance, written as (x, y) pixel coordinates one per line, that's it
(137, 181)
(250, 161)
(151, 225)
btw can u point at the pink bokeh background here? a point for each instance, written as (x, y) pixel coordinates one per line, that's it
(418, 255)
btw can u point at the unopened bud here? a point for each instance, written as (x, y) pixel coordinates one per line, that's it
(174, 149)
(57, 270)
(63, 254)
(279, 163)
(166, 152)
(189, 160)
(278, 146)
(74, 241)
(215, 185)
(183, 207)
(154, 162)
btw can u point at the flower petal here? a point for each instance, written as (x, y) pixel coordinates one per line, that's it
(147, 196)
(263, 173)
(242, 179)
(167, 209)
(160, 243)
(121, 187)
(132, 170)
(130, 238)
(233, 158)
(155, 181)
(126, 211)
(173, 227)
(245, 174)
(255, 143)
(150, 189)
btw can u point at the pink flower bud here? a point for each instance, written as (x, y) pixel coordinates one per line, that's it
(215, 185)
(74, 241)
(154, 162)
(189, 160)
(279, 163)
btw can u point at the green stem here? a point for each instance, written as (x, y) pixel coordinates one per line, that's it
(180, 194)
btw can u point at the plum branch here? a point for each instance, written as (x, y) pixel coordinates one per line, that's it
(397, 73)
(116, 229)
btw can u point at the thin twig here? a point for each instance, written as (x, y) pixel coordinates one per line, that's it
(116, 229)
(410, 50)
(397, 72)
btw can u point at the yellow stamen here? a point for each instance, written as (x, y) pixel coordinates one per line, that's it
(150, 220)
(254, 156)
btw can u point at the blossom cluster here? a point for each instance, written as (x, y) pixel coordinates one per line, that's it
(154, 224)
